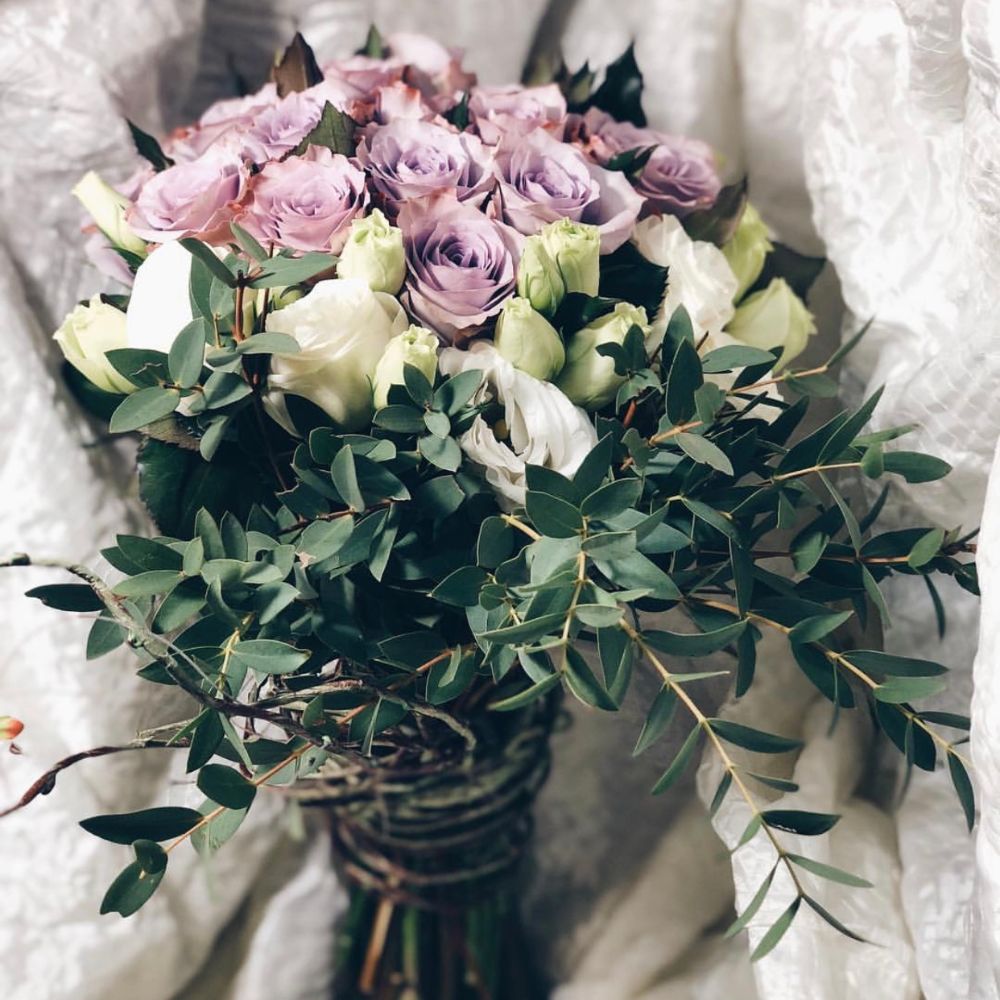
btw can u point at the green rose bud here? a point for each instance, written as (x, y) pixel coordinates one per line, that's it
(416, 346)
(374, 253)
(107, 208)
(528, 340)
(774, 317)
(538, 277)
(589, 378)
(576, 249)
(747, 249)
(86, 334)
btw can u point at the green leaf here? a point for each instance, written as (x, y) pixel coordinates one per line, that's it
(746, 653)
(400, 419)
(157, 581)
(583, 684)
(143, 407)
(460, 588)
(776, 931)
(453, 393)
(694, 643)
(621, 92)
(207, 256)
(808, 550)
(208, 734)
(105, 635)
(752, 739)
(150, 856)
(131, 890)
(679, 763)
(161, 823)
(657, 720)
(247, 243)
(534, 628)
(914, 467)
(334, 130)
(889, 665)
(345, 478)
(725, 359)
(850, 521)
(829, 872)
(963, 788)
(815, 628)
(527, 696)
(800, 821)
(269, 656)
(926, 548)
(226, 786)
(552, 516)
(833, 921)
(67, 597)
(207, 839)
(187, 353)
(281, 271)
(897, 690)
(704, 452)
(682, 381)
(148, 148)
(612, 499)
(442, 452)
(495, 544)
(710, 516)
(268, 343)
(752, 907)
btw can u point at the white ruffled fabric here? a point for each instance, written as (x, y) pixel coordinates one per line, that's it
(869, 129)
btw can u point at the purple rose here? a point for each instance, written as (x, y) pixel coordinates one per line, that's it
(364, 74)
(409, 159)
(679, 176)
(305, 202)
(499, 110)
(434, 70)
(280, 127)
(462, 265)
(542, 180)
(197, 198)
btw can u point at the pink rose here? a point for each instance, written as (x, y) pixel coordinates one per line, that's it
(305, 202)
(462, 265)
(399, 100)
(679, 176)
(409, 159)
(280, 127)
(197, 198)
(434, 70)
(364, 74)
(499, 110)
(542, 180)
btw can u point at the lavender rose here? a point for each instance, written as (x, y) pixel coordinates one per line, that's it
(280, 127)
(190, 199)
(363, 74)
(434, 70)
(542, 180)
(462, 265)
(410, 159)
(679, 176)
(499, 110)
(306, 202)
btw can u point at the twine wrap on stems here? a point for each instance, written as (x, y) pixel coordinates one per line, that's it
(441, 831)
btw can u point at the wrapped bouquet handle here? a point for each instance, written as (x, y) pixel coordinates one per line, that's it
(453, 399)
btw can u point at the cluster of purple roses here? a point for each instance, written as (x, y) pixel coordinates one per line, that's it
(464, 199)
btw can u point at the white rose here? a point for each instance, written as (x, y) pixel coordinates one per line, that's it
(107, 207)
(343, 329)
(86, 334)
(699, 276)
(540, 425)
(160, 306)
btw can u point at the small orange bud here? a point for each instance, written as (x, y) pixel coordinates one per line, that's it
(10, 728)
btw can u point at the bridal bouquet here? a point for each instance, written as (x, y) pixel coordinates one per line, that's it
(452, 399)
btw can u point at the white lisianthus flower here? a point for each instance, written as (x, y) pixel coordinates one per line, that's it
(86, 334)
(160, 306)
(771, 318)
(416, 346)
(528, 340)
(747, 250)
(374, 253)
(107, 207)
(699, 277)
(540, 426)
(343, 329)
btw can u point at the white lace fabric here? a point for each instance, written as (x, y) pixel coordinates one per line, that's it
(869, 130)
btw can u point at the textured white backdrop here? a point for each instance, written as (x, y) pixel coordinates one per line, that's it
(869, 130)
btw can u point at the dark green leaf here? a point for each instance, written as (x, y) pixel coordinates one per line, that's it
(552, 516)
(527, 696)
(148, 148)
(131, 890)
(829, 872)
(207, 256)
(897, 690)
(803, 822)
(752, 907)
(612, 499)
(584, 685)
(926, 548)
(694, 643)
(818, 626)
(269, 656)
(187, 353)
(334, 130)
(143, 407)
(460, 588)
(226, 786)
(963, 788)
(776, 931)
(162, 823)
(704, 452)
(345, 478)
(752, 739)
(205, 741)
(657, 720)
(914, 467)
(679, 763)
(682, 381)
(105, 635)
(67, 597)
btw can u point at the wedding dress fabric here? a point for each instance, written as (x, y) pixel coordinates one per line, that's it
(869, 131)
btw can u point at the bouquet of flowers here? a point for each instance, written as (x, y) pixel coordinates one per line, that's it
(451, 400)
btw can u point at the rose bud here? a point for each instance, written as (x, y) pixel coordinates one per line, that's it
(85, 336)
(107, 208)
(528, 340)
(10, 728)
(538, 277)
(746, 251)
(589, 378)
(374, 254)
(774, 317)
(576, 249)
(416, 346)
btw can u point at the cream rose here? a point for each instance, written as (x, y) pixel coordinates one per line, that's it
(771, 318)
(540, 425)
(86, 334)
(343, 329)
(699, 277)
